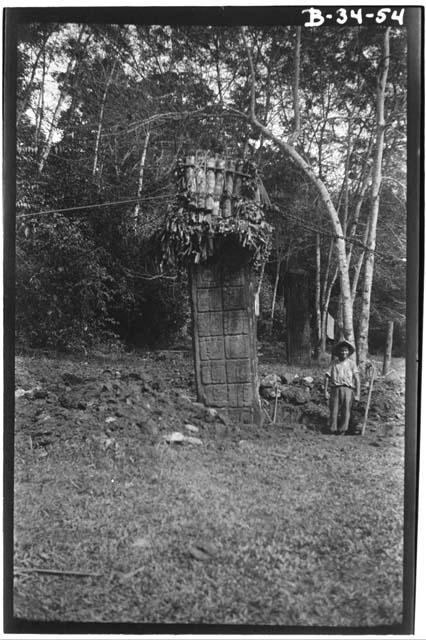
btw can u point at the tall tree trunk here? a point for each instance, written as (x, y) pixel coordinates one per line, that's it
(318, 292)
(327, 274)
(325, 306)
(325, 196)
(29, 86)
(217, 62)
(388, 348)
(376, 183)
(259, 287)
(358, 266)
(266, 107)
(101, 118)
(339, 321)
(140, 182)
(339, 317)
(324, 324)
(76, 78)
(357, 211)
(274, 295)
(40, 105)
(62, 95)
(296, 107)
(346, 179)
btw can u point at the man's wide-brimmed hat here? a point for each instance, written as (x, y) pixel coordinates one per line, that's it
(343, 343)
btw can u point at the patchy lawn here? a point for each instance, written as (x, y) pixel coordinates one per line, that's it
(279, 525)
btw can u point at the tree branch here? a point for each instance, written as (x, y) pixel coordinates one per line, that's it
(296, 108)
(319, 186)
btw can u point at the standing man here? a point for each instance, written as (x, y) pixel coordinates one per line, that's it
(342, 378)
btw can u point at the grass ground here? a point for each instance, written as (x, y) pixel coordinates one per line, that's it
(279, 525)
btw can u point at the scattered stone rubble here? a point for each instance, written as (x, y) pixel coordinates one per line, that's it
(154, 401)
(300, 399)
(151, 405)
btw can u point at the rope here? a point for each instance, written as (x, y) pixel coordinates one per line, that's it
(287, 215)
(93, 206)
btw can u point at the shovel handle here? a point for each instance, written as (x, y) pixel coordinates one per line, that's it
(275, 405)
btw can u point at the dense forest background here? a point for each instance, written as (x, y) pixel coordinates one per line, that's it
(104, 112)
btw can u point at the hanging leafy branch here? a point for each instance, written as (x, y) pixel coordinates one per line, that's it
(185, 239)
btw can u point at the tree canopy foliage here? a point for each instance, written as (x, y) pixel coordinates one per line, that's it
(105, 111)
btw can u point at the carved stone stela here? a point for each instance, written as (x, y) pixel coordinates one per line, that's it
(225, 340)
(218, 229)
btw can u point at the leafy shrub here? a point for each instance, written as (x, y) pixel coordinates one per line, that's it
(160, 310)
(62, 287)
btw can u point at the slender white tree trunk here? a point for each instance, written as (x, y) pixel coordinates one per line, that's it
(296, 82)
(388, 348)
(318, 290)
(358, 266)
(140, 182)
(357, 211)
(347, 167)
(40, 104)
(258, 289)
(325, 307)
(339, 317)
(375, 202)
(274, 296)
(101, 119)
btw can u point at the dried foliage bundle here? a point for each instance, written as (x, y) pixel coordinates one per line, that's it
(218, 210)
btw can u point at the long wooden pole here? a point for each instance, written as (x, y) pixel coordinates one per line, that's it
(388, 349)
(370, 389)
(275, 404)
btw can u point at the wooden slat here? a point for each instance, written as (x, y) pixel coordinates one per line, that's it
(210, 182)
(229, 187)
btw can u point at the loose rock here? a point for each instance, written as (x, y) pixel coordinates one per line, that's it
(71, 378)
(295, 395)
(192, 440)
(175, 437)
(192, 428)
